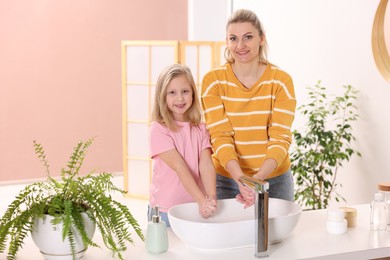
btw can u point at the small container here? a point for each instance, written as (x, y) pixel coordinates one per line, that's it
(336, 224)
(384, 188)
(156, 241)
(378, 217)
(350, 215)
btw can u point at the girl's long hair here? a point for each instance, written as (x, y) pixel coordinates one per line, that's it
(161, 112)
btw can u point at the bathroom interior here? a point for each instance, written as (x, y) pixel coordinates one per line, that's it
(67, 69)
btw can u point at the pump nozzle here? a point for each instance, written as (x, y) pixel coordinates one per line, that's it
(156, 216)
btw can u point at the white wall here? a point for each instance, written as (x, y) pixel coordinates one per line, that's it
(207, 19)
(330, 40)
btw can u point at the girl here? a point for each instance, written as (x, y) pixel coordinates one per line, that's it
(180, 147)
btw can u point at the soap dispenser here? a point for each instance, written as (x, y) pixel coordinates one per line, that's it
(156, 241)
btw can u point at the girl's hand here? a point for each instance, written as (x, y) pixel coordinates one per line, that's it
(246, 196)
(208, 207)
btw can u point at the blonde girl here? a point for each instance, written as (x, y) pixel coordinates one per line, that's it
(180, 146)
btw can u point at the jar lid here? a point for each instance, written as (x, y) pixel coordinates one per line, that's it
(349, 212)
(384, 186)
(335, 215)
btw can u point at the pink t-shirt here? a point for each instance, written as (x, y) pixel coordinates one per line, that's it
(166, 189)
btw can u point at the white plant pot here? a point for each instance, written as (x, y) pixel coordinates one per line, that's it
(48, 238)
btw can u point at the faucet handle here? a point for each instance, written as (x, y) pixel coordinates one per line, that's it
(254, 183)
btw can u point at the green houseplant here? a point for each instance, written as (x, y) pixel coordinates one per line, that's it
(66, 200)
(323, 146)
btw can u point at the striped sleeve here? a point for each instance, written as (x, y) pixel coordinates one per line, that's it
(221, 131)
(283, 113)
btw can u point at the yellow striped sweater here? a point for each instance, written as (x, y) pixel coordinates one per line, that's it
(249, 125)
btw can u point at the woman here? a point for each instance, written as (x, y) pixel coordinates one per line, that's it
(249, 107)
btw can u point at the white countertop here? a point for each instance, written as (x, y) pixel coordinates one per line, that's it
(309, 240)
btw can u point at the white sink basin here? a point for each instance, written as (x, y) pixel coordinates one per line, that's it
(232, 226)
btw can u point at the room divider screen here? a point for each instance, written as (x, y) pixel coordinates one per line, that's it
(142, 62)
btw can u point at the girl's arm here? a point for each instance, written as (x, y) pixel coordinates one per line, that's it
(176, 162)
(208, 176)
(207, 172)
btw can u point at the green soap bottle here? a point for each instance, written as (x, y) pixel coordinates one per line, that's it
(156, 241)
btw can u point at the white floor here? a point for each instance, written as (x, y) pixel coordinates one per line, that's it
(138, 207)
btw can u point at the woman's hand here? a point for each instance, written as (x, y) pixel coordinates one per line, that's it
(246, 196)
(207, 207)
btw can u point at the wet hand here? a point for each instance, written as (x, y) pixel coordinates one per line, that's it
(208, 207)
(246, 196)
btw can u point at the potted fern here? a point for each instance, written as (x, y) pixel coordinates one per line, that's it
(76, 204)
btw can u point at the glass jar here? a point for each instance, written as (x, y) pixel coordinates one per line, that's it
(384, 188)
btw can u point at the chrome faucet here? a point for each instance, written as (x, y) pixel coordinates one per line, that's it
(261, 213)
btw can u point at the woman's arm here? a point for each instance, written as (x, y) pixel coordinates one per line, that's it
(217, 121)
(246, 195)
(268, 166)
(282, 117)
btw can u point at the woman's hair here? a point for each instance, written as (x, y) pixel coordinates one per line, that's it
(161, 112)
(247, 16)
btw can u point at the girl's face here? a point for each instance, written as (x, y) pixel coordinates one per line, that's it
(179, 97)
(243, 41)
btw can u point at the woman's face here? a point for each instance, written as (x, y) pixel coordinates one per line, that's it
(179, 97)
(243, 41)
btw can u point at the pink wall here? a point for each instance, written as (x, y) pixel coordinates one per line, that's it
(60, 76)
(387, 27)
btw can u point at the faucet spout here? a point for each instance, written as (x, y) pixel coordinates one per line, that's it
(253, 183)
(261, 213)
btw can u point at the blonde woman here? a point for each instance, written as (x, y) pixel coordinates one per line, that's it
(180, 146)
(249, 106)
